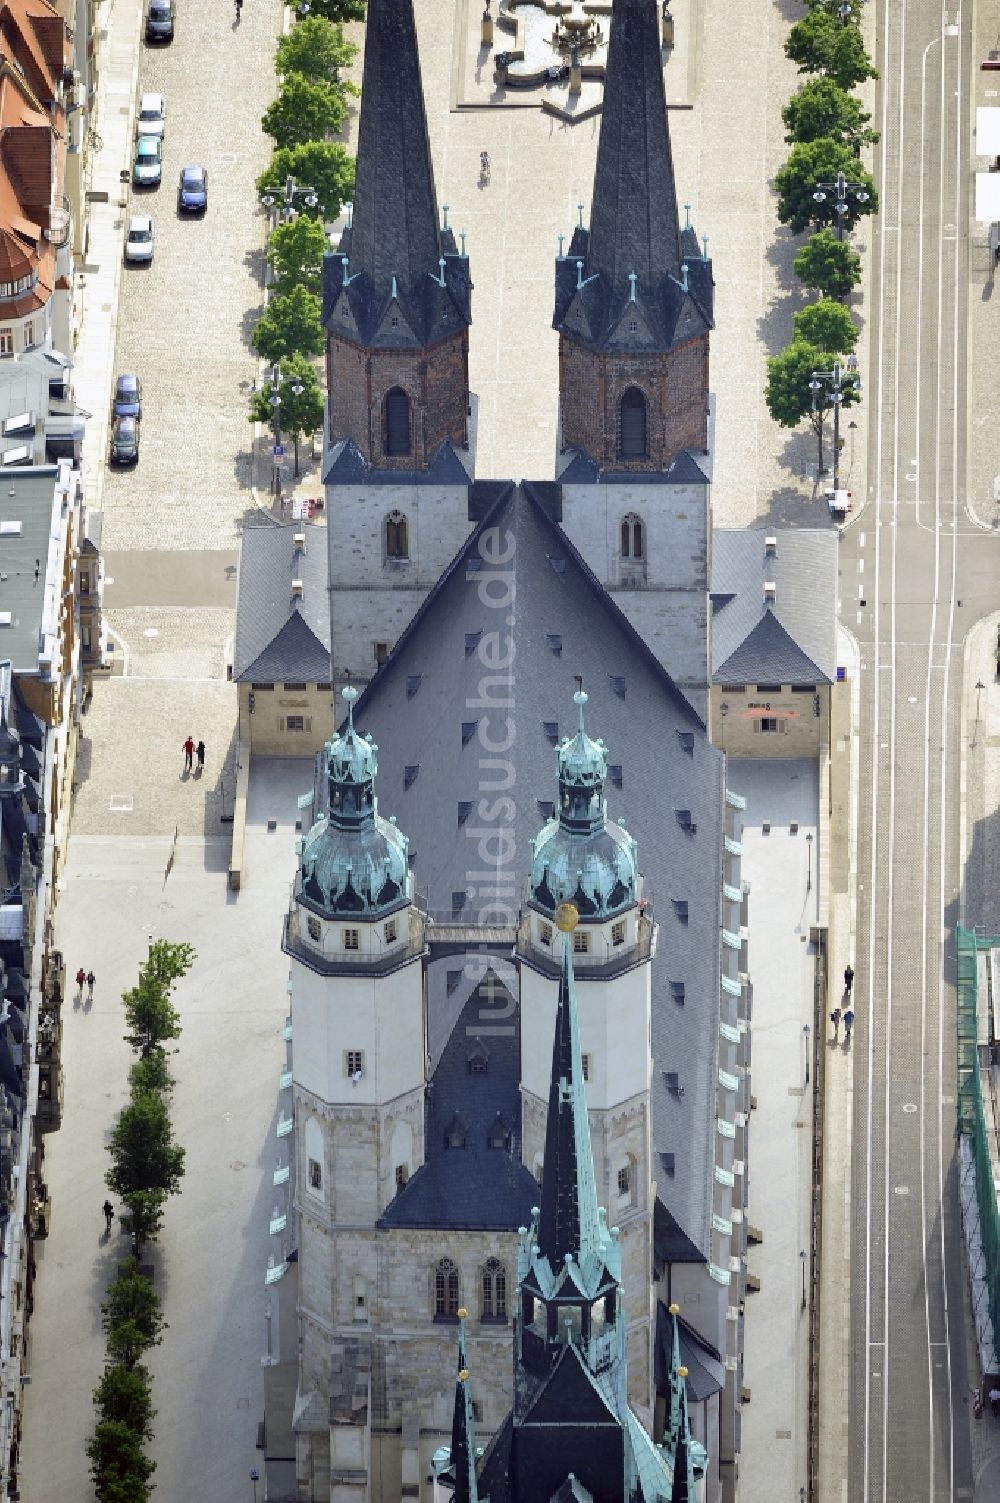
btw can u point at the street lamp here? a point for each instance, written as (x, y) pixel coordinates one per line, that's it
(286, 199)
(809, 859)
(835, 380)
(276, 381)
(254, 1478)
(841, 188)
(802, 1255)
(805, 1034)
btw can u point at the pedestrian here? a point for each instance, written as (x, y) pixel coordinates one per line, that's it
(200, 751)
(81, 977)
(995, 1399)
(188, 753)
(848, 978)
(848, 1025)
(109, 1212)
(91, 978)
(835, 1020)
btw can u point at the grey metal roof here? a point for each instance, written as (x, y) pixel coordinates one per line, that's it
(648, 733)
(26, 497)
(278, 635)
(792, 640)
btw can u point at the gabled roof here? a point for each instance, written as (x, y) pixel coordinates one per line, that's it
(348, 466)
(685, 470)
(653, 733)
(788, 636)
(279, 635)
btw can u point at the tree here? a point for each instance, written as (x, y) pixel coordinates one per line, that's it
(827, 325)
(789, 396)
(813, 162)
(828, 265)
(144, 1156)
(337, 10)
(123, 1395)
(299, 411)
(145, 1216)
(304, 111)
(120, 1468)
(167, 962)
(316, 49)
(133, 1302)
(821, 43)
(823, 108)
(150, 1074)
(296, 252)
(323, 166)
(151, 1016)
(290, 326)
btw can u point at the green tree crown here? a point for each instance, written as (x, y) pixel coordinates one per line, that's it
(316, 49)
(120, 1468)
(821, 43)
(123, 1394)
(788, 393)
(827, 325)
(133, 1300)
(296, 252)
(151, 1074)
(304, 111)
(143, 1153)
(813, 162)
(822, 108)
(828, 265)
(290, 325)
(323, 166)
(299, 412)
(338, 10)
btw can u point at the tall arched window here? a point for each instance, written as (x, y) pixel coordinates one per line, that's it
(493, 1281)
(445, 1290)
(397, 421)
(397, 536)
(632, 436)
(633, 542)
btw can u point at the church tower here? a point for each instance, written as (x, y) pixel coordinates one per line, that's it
(571, 1435)
(355, 944)
(634, 296)
(397, 294)
(582, 858)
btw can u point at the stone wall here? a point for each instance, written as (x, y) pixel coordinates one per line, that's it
(435, 379)
(675, 385)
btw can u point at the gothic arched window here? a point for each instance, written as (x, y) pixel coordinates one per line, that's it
(397, 536)
(493, 1286)
(632, 429)
(445, 1289)
(397, 421)
(632, 537)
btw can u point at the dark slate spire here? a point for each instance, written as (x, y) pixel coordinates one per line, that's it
(462, 1468)
(568, 1224)
(633, 223)
(395, 230)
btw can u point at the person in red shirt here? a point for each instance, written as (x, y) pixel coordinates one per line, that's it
(188, 753)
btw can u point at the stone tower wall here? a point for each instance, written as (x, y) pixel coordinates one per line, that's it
(435, 379)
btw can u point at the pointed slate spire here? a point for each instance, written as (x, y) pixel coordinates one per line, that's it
(463, 1432)
(395, 224)
(684, 1488)
(634, 223)
(676, 1384)
(568, 1223)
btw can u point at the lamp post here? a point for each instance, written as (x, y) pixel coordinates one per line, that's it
(840, 187)
(276, 381)
(254, 1478)
(835, 381)
(805, 1034)
(284, 199)
(809, 862)
(802, 1256)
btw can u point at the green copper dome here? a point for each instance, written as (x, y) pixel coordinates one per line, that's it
(578, 857)
(352, 860)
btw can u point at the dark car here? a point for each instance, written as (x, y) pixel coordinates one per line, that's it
(127, 400)
(192, 190)
(160, 21)
(125, 441)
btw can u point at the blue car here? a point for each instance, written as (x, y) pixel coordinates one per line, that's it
(127, 400)
(192, 191)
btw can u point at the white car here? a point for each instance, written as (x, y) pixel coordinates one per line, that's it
(152, 119)
(139, 240)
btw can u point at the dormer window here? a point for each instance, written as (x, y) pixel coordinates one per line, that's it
(478, 1061)
(456, 1134)
(498, 1135)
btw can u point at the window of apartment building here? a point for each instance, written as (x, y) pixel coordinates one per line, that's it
(545, 934)
(581, 942)
(803, 688)
(445, 1290)
(6, 341)
(295, 688)
(768, 725)
(586, 1066)
(262, 688)
(85, 637)
(768, 688)
(402, 1175)
(389, 931)
(493, 1289)
(315, 1175)
(84, 581)
(618, 933)
(315, 929)
(732, 688)
(29, 334)
(352, 939)
(295, 722)
(354, 1062)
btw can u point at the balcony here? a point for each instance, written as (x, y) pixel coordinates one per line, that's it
(60, 220)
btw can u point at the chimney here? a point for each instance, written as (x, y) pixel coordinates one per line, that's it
(298, 589)
(770, 546)
(299, 540)
(770, 592)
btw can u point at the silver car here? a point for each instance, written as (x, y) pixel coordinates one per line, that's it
(152, 119)
(139, 240)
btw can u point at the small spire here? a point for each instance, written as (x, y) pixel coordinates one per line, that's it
(560, 238)
(345, 263)
(349, 694)
(704, 247)
(463, 1428)
(687, 216)
(461, 236)
(580, 699)
(444, 216)
(350, 215)
(684, 277)
(441, 281)
(579, 275)
(394, 293)
(579, 210)
(632, 279)
(684, 1489)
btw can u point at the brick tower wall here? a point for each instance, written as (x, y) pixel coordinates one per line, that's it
(675, 386)
(435, 379)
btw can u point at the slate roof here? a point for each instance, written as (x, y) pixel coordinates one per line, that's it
(654, 734)
(280, 636)
(475, 1186)
(706, 1370)
(684, 470)
(792, 640)
(348, 466)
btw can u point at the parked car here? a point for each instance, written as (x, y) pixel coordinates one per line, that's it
(160, 21)
(192, 190)
(125, 441)
(127, 400)
(152, 116)
(139, 240)
(147, 168)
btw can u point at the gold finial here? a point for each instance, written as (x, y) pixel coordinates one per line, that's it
(673, 1309)
(462, 1314)
(682, 1372)
(566, 918)
(463, 1376)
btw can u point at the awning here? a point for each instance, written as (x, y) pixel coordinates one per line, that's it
(988, 131)
(988, 197)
